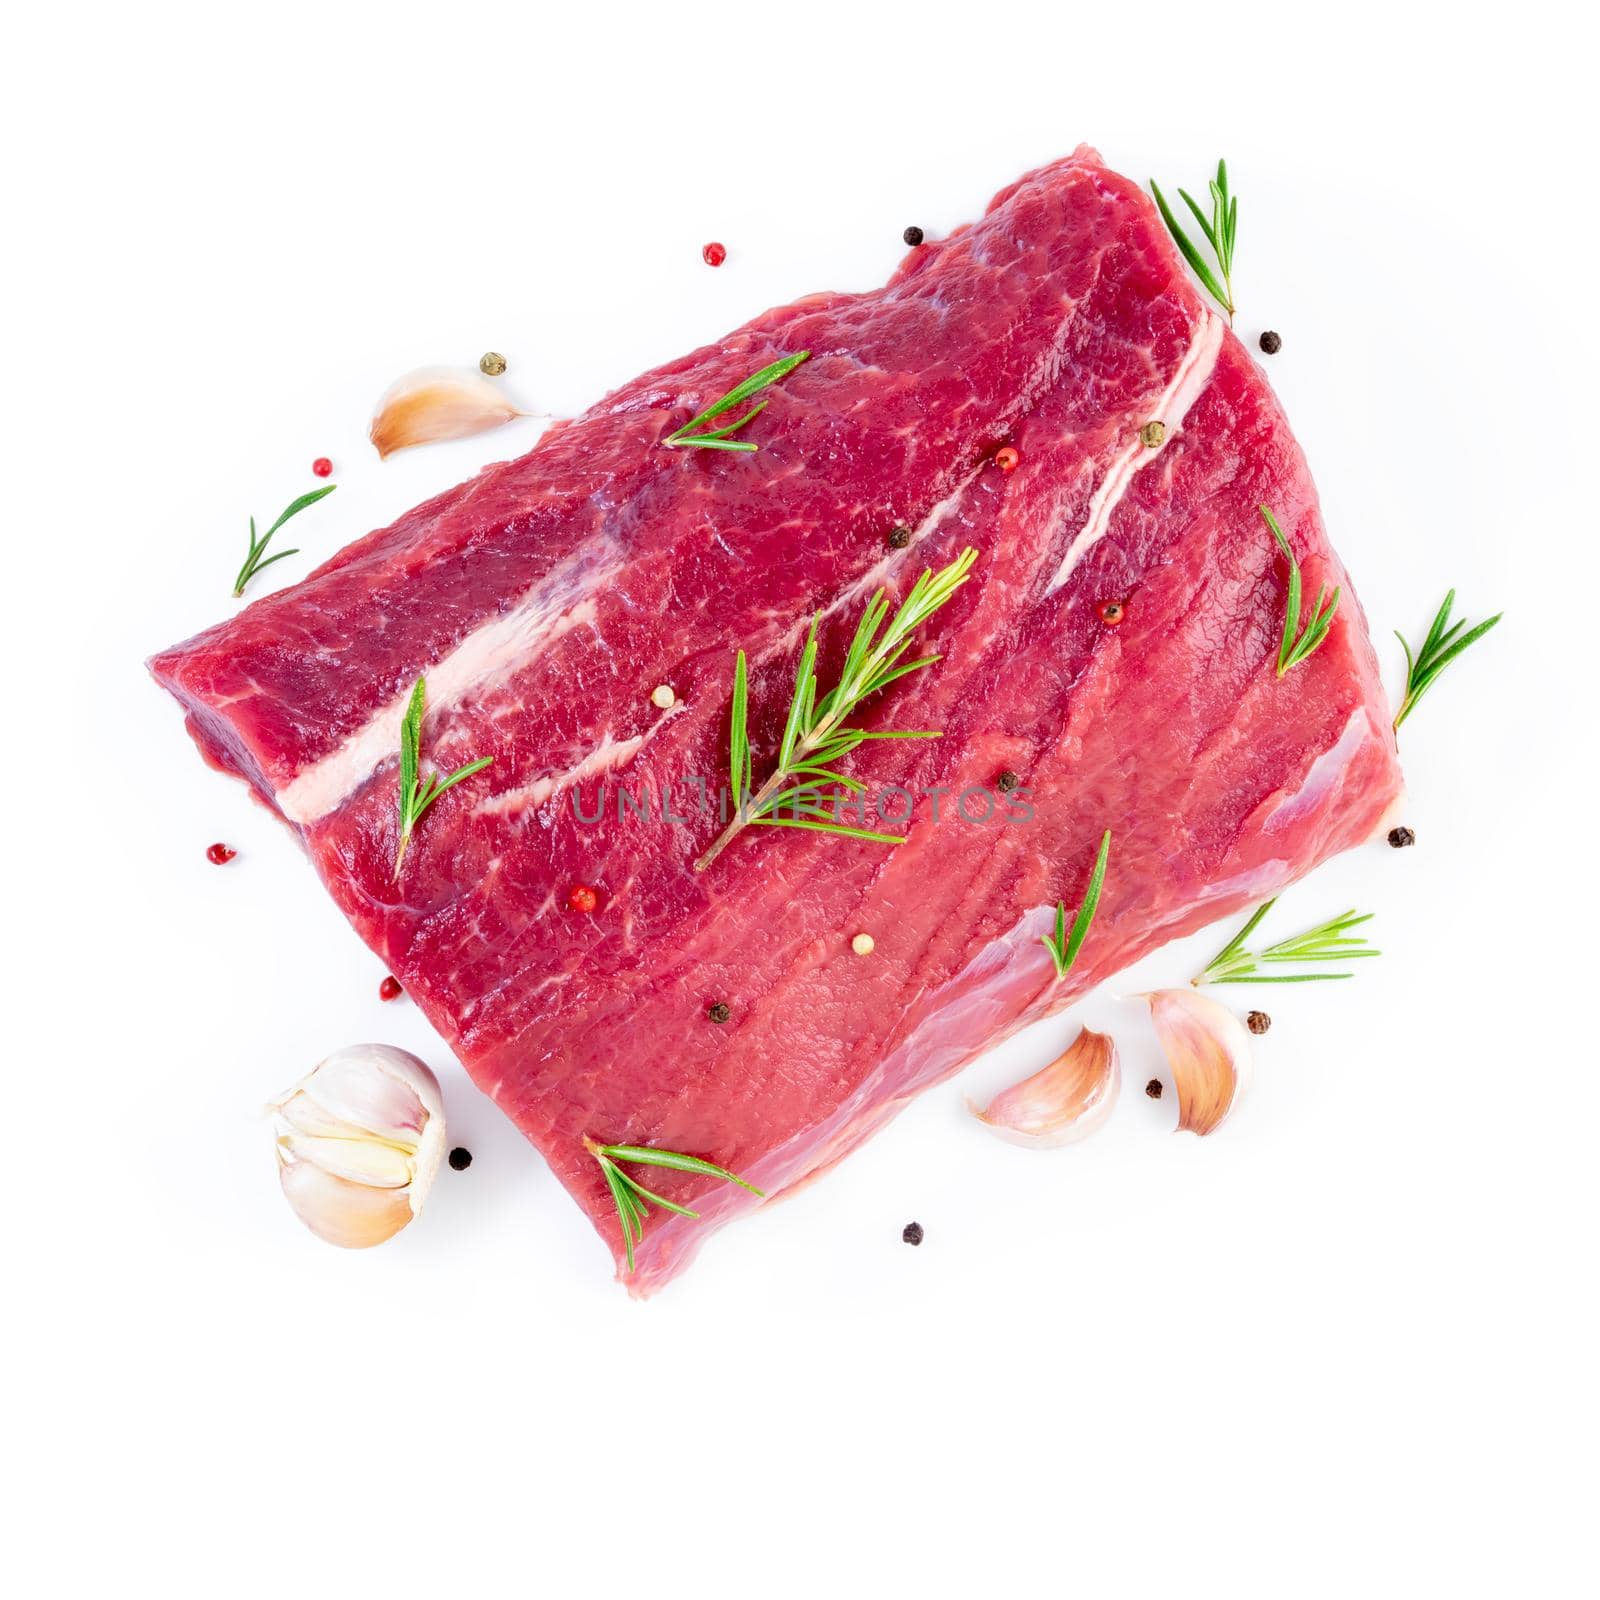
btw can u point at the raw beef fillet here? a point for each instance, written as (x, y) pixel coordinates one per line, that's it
(546, 598)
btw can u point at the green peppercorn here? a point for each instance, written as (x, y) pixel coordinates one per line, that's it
(493, 363)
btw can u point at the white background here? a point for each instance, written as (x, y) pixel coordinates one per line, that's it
(1346, 1346)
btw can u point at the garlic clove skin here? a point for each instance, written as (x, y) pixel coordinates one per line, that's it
(1208, 1051)
(438, 403)
(359, 1142)
(1063, 1102)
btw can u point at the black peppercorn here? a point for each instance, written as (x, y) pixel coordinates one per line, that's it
(1007, 781)
(912, 235)
(912, 1233)
(1153, 1088)
(1401, 837)
(899, 538)
(1258, 1022)
(460, 1158)
(1271, 342)
(718, 1012)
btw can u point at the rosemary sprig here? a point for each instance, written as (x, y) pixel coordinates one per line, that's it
(416, 792)
(1438, 650)
(718, 438)
(1220, 232)
(1298, 644)
(1330, 941)
(815, 736)
(253, 562)
(631, 1196)
(1064, 947)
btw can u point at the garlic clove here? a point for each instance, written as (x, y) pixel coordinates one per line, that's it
(1208, 1050)
(437, 403)
(304, 1115)
(360, 1140)
(379, 1166)
(371, 1087)
(350, 1215)
(1062, 1103)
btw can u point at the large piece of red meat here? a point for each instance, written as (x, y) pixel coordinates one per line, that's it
(546, 598)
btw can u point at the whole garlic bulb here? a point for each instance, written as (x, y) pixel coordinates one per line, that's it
(359, 1140)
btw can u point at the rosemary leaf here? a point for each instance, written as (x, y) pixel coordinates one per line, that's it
(1298, 642)
(739, 744)
(649, 1156)
(417, 793)
(718, 438)
(1064, 947)
(261, 566)
(800, 707)
(253, 562)
(828, 775)
(1330, 941)
(815, 736)
(633, 1200)
(411, 742)
(1200, 217)
(817, 824)
(1219, 230)
(624, 1202)
(1442, 645)
(638, 1189)
(1261, 977)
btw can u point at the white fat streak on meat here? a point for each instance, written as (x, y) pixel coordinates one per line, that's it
(1259, 882)
(495, 651)
(505, 645)
(877, 575)
(1323, 774)
(1001, 987)
(606, 756)
(1188, 384)
(1046, 372)
(484, 657)
(997, 990)
(951, 1023)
